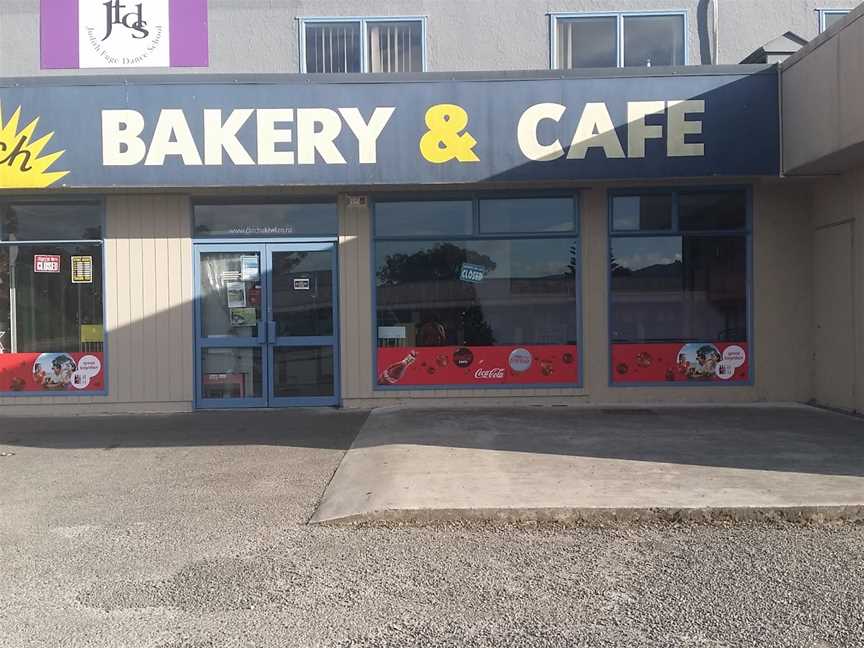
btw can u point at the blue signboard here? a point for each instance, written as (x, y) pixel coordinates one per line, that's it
(282, 131)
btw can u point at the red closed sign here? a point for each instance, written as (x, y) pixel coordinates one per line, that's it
(46, 263)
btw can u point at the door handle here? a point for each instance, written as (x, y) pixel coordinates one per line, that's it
(271, 332)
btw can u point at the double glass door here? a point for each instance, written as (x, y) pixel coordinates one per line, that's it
(266, 325)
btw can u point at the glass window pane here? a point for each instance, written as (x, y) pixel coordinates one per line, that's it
(653, 40)
(303, 372)
(51, 327)
(231, 373)
(302, 288)
(650, 212)
(833, 17)
(503, 216)
(520, 292)
(647, 301)
(426, 218)
(230, 300)
(396, 46)
(285, 219)
(671, 289)
(715, 284)
(333, 47)
(50, 222)
(587, 42)
(41, 309)
(712, 211)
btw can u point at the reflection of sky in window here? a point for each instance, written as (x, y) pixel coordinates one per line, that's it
(513, 259)
(540, 215)
(587, 42)
(286, 218)
(50, 222)
(436, 218)
(642, 252)
(658, 40)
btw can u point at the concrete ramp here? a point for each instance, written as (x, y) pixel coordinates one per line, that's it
(572, 464)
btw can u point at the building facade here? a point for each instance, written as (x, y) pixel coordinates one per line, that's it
(575, 203)
(259, 37)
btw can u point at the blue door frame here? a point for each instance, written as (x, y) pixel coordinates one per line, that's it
(265, 336)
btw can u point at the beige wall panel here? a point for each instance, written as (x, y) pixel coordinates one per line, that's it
(833, 320)
(823, 101)
(838, 206)
(148, 312)
(782, 301)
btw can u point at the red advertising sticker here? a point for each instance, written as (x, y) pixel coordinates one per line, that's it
(46, 263)
(498, 365)
(724, 362)
(51, 372)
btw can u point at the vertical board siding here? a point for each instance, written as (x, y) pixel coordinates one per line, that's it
(148, 305)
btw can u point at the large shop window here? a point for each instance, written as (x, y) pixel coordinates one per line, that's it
(679, 287)
(477, 292)
(51, 298)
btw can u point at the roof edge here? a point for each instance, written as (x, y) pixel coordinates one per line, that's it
(353, 79)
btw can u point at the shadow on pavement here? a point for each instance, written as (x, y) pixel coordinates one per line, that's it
(785, 439)
(303, 428)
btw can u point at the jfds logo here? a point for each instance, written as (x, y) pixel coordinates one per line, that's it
(124, 34)
(133, 20)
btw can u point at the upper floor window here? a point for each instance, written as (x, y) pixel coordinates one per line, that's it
(618, 40)
(363, 45)
(828, 17)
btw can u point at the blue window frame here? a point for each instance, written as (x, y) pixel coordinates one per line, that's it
(461, 281)
(271, 363)
(680, 285)
(617, 39)
(352, 44)
(53, 340)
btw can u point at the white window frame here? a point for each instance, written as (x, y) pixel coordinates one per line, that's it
(364, 34)
(619, 27)
(824, 13)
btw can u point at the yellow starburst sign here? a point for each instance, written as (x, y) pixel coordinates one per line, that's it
(22, 165)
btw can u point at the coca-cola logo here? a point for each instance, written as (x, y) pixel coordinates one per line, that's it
(489, 374)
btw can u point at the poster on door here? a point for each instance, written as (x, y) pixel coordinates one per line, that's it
(51, 372)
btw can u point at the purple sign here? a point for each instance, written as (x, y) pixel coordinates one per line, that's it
(123, 34)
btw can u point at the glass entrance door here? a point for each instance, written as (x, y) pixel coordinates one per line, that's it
(266, 325)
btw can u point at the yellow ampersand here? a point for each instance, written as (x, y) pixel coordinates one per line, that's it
(443, 142)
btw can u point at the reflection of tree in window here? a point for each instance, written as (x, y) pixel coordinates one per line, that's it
(453, 306)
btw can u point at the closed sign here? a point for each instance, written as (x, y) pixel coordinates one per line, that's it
(46, 263)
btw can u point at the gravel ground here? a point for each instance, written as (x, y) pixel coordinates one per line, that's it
(156, 539)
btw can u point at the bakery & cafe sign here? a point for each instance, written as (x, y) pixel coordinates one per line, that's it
(280, 131)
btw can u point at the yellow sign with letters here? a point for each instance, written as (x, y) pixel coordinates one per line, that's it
(22, 165)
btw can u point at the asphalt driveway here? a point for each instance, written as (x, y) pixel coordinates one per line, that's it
(189, 531)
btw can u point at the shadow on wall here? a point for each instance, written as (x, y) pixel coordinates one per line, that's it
(679, 137)
(707, 30)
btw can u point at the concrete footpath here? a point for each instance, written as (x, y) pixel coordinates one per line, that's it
(583, 463)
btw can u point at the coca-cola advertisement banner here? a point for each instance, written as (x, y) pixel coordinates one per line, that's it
(51, 372)
(719, 362)
(478, 365)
